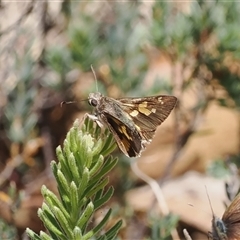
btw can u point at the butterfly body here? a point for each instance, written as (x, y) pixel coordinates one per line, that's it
(219, 229)
(132, 121)
(228, 228)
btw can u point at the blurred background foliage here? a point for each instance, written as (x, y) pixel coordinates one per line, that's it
(46, 53)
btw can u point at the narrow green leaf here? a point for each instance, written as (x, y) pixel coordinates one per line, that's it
(74, 200)
(84, 182)
(73, 168)
(63, 182)
(63, 190)
(64, 222)
(49, 225)
(108, 150)
(89, 125)
(86, 215)
(44, 236)
(87, 145)
(73, 133)
(99, 194)
(97, 147)
(47, 211)
(113, 231)
(80, 161)
(101, 201)
(32, 234)
(98, 227)
(108, 166)
(54, 167)
(109, 145)
(103, 222)
(52, 200)
(96, 166)
(77, 233)
(76, 124)
(66, 149)
(63, 163)
(96, 187)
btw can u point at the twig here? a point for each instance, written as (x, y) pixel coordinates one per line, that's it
(186, 234)
(47, 147)
(183, 138)
(181, 141)
(27, 11)
(157, 192)
(9, 168)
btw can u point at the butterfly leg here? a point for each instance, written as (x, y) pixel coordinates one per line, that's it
(95, 119)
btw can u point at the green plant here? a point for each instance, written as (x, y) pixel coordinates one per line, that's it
(82, 185)
(103, 44)
(19, 119)
(204, 41)
(7, 231)
(161, 227)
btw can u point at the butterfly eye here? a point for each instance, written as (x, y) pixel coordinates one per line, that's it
(93, 102)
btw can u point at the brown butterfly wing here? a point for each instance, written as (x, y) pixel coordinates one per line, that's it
(128, 140)
(148, 112)
(231, 218)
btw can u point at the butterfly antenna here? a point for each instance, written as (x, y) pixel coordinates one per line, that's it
(65, 103)
(94, 74)
(70, 102)
(191, 205)
(209, 201)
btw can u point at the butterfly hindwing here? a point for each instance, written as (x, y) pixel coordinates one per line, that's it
(128, 140)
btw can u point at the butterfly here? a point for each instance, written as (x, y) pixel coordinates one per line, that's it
(132, 121)
(227, 228)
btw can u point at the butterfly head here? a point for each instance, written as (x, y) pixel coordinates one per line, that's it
(228, 227)
(94, 99)
(219, 229)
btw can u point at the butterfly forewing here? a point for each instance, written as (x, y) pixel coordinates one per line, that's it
(149, 112)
